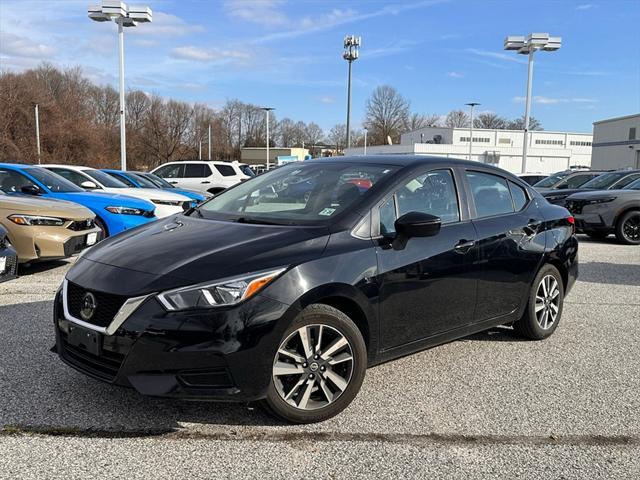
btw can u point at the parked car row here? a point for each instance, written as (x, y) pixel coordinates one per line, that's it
(53, 211)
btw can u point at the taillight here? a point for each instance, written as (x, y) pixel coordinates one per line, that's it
(572, 222)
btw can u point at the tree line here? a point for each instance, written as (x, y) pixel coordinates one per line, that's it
(79, 123)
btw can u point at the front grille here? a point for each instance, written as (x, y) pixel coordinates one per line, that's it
(575, 206)
(10, 268)
(80, 225)
(107, 304)
(105, 365)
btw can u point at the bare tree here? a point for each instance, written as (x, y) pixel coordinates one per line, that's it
(313, 134)
(338, 136)
(456, 119)
(518, 124)
(387, 113)
(489, 120)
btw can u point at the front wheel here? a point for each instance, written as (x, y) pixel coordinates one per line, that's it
(318, 367)
(628, 228)
(544, 308)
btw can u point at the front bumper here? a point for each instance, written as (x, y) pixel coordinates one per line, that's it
(224, 354)
(50, 243)
(10, 263)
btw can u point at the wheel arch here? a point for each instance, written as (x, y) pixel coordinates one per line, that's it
(624, 211)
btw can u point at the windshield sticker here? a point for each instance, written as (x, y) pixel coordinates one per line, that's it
(327, 212)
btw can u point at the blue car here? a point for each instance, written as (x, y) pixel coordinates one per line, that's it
(149, 180)
(114, 212)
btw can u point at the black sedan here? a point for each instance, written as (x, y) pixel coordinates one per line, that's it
(8, 257)
(604, 181)
(288, 299)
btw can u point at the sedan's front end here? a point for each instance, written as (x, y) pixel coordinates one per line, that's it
(8, 257)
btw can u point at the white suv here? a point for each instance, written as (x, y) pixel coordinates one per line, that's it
(203, 176)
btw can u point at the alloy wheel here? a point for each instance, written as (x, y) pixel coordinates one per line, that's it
(547, 302)
(631, 228)
(313, 367)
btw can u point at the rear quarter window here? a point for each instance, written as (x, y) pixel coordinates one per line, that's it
(225, 170)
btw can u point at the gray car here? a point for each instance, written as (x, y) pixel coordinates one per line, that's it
(603, 212)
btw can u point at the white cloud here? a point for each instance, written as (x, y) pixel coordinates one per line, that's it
(207, 54)
(585, 6)
(166, 25)
(17, 46)
(263, 12)
(327, 99)
(507, 57)
(543, 100)
(455, 74)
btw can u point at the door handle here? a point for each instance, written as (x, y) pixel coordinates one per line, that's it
(173, 182)
(205, 181)
(463, 246)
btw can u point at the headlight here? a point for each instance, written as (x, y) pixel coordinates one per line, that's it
(126, 210)
(601, 200)
(173, 203)
(221, 293)
(36, 220)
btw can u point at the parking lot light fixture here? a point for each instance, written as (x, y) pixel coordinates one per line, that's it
(123, 16)
(527, 46)
(266, 111)
(471, 106)
(365, 139)
(350, 54)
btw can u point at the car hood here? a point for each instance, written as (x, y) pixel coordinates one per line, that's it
(552, 192)
(596, 194)
(100, 199)
(43, 206)
(149, 194)
(193, 250)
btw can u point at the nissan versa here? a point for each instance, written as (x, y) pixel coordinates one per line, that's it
(287, 299)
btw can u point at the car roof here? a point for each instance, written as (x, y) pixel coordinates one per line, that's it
(220, 162)
(407, 161)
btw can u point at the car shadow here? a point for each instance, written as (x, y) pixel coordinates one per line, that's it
(39, 267)
(40, 392)
(495, 334)
(610, 240)
(613, 273)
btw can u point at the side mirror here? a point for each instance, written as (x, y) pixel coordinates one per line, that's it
(418, 224)
(89, 185)
(30, 190)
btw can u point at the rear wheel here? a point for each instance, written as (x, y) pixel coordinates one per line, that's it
(318, 368)
(628, 228)
(544, 308)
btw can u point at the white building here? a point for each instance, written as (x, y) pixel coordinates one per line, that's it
(616, 143)
(548, 151)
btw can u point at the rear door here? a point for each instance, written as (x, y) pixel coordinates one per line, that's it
(427, 287)
(506, 220)
(173, 173)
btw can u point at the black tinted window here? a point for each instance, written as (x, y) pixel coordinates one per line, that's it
(576, 181)
(519, 195)
(225, 170)
(490, 194)
(196, 170)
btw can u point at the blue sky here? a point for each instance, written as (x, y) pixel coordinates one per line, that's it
(287, 54)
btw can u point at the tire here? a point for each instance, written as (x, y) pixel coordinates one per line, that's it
(596, 235)
(533, 324)
(103, 228)
(298, 398)
(628, 228)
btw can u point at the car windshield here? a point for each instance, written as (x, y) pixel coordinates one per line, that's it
(310, 193)
(53, 181)
(246, 169)
(551, 180)
(633, 185)
(605, 180)
(105, 179)
(154, 181)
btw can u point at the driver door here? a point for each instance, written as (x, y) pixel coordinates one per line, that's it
(429, 286)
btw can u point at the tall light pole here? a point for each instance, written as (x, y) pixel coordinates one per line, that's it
(124, 16)
(37, 132)
(365, 140)
(471, 106)
(350, 54)
(266, 111)
(527, 46)
(209, 136)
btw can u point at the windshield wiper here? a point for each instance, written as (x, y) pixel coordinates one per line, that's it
(255, 221)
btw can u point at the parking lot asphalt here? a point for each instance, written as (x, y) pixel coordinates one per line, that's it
(490, 405)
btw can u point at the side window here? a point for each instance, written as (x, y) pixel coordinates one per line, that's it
(194, 170)
(123, 179)
(171, 171)
(627, 180)
(225, 170)
(577, 181)
(11, 181)
(519, 195)
(433, 192)
(490, 194)
(71, 175)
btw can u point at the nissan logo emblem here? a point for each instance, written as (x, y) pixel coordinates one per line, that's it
(89, 305)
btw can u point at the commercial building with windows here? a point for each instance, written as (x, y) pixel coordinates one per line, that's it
(616, 143)
(548, 152)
